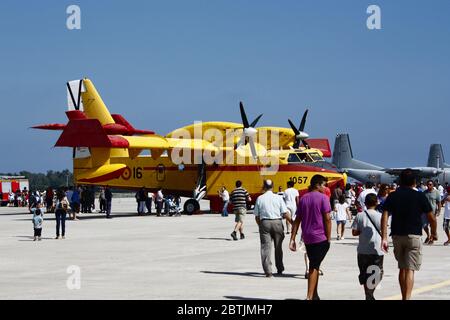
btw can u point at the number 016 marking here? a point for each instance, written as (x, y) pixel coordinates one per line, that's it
(299, 180)
(137, 173)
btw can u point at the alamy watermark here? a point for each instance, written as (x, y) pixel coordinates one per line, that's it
(73, 282)
(376, 274)
(73, 21)
(374, 20)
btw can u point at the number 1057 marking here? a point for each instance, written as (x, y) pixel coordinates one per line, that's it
(299, 180)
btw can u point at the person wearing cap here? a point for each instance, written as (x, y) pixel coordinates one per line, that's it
(269, 212)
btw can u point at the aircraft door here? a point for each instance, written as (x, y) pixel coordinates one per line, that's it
(160, 173)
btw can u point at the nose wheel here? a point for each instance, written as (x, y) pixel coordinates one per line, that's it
(191, 206)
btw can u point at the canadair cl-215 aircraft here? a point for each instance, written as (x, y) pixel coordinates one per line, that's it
(109, 151)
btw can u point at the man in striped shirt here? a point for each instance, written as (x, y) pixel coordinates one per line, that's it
(239, 198)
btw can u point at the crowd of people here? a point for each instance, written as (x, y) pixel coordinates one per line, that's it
(19, 198)
(63, 202)
(408, 209)
(69, 202)
(164, 205)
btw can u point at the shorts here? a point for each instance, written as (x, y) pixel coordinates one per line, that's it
(368, 264)
(239, 214)
(341, 222)
(408, 251)
(37, 232)
(424, 218)
(316, 253)
(446, 224)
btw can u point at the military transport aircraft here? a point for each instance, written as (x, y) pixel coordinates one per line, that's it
(364, 172)
(193, 161)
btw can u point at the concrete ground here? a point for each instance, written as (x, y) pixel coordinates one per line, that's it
(188, 257)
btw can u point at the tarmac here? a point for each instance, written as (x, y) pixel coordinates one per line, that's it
(187, 257)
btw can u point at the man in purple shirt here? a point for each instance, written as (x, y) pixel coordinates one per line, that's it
(313, 213)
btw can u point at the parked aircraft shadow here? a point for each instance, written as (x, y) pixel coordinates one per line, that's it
(113, 216)
(30, 238)
(253, 274)
(90, 217)
(226, 239)
(29, 219)
(353, 244)
(15, 214)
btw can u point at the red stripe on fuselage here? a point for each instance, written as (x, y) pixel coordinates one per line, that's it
(106, 177)
(281, 167)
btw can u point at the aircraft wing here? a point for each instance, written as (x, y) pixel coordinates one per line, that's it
(147, 142)
(158, 145)
(285, 135)
(193, 144)
(158, 142)
(287, 139)
(426, 172)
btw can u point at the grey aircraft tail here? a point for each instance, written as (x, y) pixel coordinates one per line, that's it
(343, 155)
(436, 157)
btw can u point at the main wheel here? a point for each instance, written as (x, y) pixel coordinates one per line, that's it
(191, 206)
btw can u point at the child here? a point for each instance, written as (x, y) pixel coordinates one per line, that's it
(342, 210)
(447, 219)
(370, 256)
(38, 219)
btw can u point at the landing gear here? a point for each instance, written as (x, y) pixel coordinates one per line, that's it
(191, 206)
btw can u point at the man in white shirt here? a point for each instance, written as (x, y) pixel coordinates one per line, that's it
(441, 191)
(159, 202)
(362, 197)
(291, 196)
(269, 212)
(223, 193)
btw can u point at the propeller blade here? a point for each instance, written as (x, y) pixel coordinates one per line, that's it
(302, 124)
(296, 144)
(240, 142)
(253, 124)
(294, 128)
(305, 144)
(253, 148)
(243, 116)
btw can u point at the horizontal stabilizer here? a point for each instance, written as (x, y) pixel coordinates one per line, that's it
(52, 126)
(89, 133)
(120, 120)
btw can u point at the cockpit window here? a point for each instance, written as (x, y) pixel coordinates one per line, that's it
(304, 157)
(315, 156)
(293, 158)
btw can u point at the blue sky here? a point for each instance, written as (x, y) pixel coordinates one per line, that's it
(164, 64)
